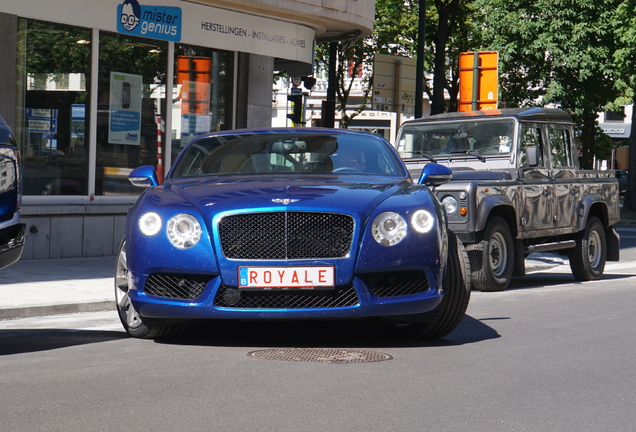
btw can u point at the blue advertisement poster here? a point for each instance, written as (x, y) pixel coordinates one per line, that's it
(124, 119)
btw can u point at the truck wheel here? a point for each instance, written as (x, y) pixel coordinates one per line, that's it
(451, 309)
(587, 259)
(493, 272)
(130, 319)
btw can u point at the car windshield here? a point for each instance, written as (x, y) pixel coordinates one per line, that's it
(287, 152)
(478, 138)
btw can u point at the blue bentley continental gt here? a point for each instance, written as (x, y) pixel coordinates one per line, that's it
(294, 223)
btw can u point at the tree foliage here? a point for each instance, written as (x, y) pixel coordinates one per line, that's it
(625, 60)
(453, 28)
(353, 58)
(449, 32)
(558, 52)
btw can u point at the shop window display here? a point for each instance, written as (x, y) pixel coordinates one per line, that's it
(53, 78)
(200, 93)
(131, 107)
(54, 98)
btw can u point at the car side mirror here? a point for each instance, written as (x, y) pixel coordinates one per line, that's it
(532, 156)
(435, 174)
(144, 176)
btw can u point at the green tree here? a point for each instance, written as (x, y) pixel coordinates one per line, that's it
(395, 27)
(452, 27)
(352, 59)
(558, 52)
(625, 59)
(450, 30)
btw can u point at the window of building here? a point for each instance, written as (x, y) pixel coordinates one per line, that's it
(54, 106)
(201, 93)
(615, 116)
(53, 82)
(131, 104)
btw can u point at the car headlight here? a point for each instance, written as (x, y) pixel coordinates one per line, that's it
(388, 228)
(422, 221)
(450, 204)
(184, 231)
(150, 223)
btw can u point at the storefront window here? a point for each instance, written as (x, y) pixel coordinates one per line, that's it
(131, 103)
(53, 82)
(200, 93)
(54, 95)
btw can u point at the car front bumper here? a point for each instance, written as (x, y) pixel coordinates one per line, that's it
(355, 300)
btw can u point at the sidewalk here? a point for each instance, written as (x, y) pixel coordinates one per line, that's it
(59, 286)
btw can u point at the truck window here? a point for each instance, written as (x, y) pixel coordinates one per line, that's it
(530, 136)
(485, 137)
(560, 149)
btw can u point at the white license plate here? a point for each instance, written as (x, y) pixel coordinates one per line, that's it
(310, 277)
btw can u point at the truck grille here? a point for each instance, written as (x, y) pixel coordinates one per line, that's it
(394, 284)
(339, 297)
(176, 286)
(286, 235)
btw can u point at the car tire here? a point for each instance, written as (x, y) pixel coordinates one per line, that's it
(451, 309)
(587, 259)
(492, 261)
(133, 323)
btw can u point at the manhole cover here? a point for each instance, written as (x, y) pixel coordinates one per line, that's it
(320, 355)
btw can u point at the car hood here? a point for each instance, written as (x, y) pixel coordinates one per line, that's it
(348, 194)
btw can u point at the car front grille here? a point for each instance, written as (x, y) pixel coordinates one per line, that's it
(394, 284)
(176, 286)
(286, 235)
(338, 297)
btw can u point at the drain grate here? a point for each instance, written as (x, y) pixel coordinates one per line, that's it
(320, 355)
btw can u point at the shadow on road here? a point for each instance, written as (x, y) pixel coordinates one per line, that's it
(363, 333)
(19, 341)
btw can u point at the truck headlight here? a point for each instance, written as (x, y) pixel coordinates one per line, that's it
(150, 223)
(450, 204)
(184, 231)
(388, 228)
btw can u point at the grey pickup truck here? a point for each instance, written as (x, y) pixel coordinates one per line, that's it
(517, 188)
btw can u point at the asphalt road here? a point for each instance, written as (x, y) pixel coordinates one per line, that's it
(549, 354)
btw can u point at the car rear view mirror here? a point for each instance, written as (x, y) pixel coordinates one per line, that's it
(144, 176)
(289, 146)
(435, 174)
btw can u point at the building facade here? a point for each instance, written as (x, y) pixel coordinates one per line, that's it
(92, 91)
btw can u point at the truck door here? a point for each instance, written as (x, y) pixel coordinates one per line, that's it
(536, 185)
(567, 190)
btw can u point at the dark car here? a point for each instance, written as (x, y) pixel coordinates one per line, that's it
(12, 232)
(290, 224)
(621, 176)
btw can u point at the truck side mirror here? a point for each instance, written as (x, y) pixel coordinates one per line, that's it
(532, 156)
(144, 176)
(435, 174)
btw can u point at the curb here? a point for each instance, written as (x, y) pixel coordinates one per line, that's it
(58, 309)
